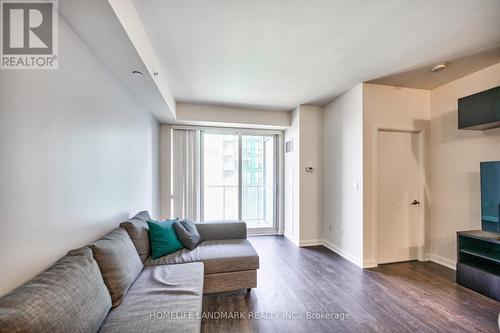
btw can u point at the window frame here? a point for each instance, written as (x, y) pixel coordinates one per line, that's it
(276, 228)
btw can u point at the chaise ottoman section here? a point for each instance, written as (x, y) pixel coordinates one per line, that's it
(218, 256)
(230, 264)
(165, 298)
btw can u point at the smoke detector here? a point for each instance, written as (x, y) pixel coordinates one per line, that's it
(439, 67)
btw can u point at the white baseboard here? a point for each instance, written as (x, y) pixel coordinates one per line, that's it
(310, 242)
(370, 263)
(263, 233)
(355, 260)
(443, 261)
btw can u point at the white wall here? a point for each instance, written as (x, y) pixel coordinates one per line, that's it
(451, 189)
(292, 180)
(303, 190)
(165, 171)
(349, 127)
(78, 156)
(311, 190)
(129, 19)
(393, 108)
(211, 115)
(342, 169)
(454, 164)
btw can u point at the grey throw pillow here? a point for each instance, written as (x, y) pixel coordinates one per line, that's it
(187, 233)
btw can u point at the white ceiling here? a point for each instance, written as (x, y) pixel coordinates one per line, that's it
(282, 53)
(424, 78)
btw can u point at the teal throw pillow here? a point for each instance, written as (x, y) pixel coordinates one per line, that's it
(163, 238)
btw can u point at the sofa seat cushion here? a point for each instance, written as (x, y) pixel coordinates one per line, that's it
(162, 299)
(218, 256)
(70, 296)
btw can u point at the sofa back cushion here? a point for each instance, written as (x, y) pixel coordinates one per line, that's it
(222, 230)
(138, 230)
(70, 296)
(118, 261)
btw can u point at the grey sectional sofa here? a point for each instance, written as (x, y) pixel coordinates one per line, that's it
(112, 285)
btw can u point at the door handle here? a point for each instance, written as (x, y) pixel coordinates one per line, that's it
(415, 202)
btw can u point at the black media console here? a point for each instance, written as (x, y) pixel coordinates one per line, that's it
(478, 262)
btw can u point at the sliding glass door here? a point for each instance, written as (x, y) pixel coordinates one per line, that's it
(239, 178)
(257, 180)
(220, 177)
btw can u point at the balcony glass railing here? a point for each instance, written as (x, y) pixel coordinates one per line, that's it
(221, 203)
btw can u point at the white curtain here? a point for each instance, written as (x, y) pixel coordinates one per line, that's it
(186, 174)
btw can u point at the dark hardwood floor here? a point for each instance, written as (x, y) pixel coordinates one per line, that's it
(292, 282)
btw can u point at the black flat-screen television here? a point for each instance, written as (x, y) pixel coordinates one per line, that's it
(490, 196)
